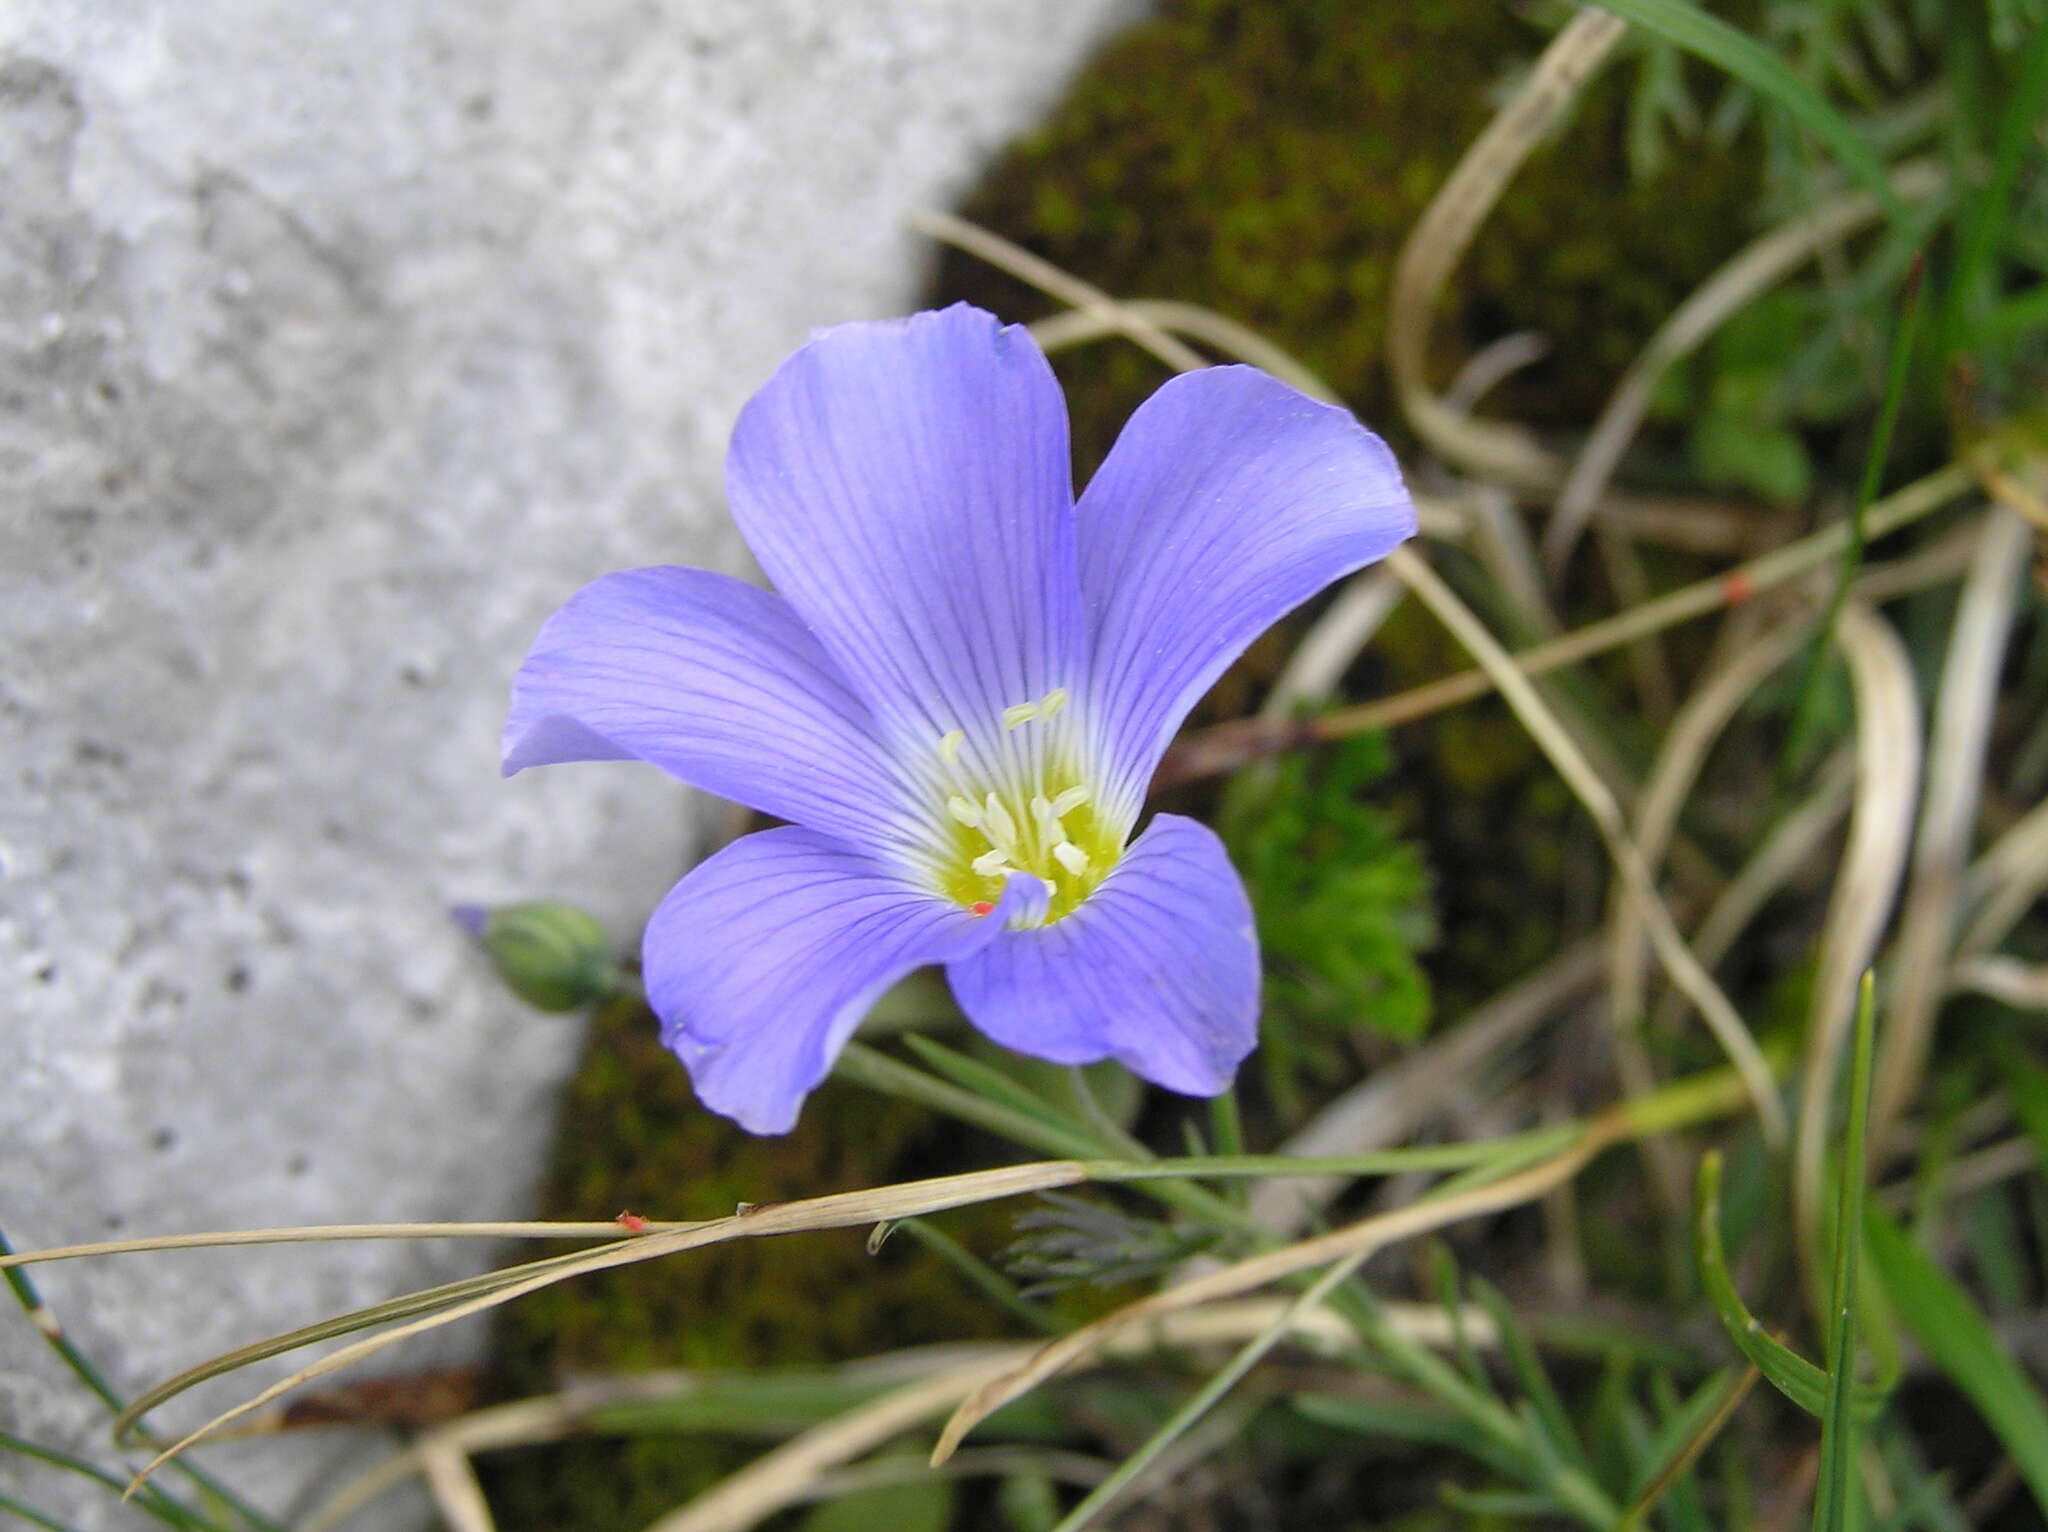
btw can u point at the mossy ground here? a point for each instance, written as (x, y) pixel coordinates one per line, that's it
(1263, 157)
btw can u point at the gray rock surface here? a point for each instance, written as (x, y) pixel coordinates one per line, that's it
(339, 343)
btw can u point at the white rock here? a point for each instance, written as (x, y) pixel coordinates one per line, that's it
(338, 344)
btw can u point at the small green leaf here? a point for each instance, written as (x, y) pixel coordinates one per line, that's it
(1734, 448)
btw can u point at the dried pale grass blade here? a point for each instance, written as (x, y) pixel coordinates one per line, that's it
(2005, 881)
(406, 1306)
(1387, 1107)
(1955, 776)
(1501, 540)
(1063, 285)
(1880, 833)
(457, 1495)
(1491, 365)
(317, 1233)
(2023, 986)
(1600, 804)
(1230, 745)
(556, 1417)
(1332, 643)
(1443, 234)
(785, 1475)
(1790, 844)
(1758, 267)
(838, 1211)
(1358, 1239)
(527, 1422)
(1080, 325)
(1680, 758)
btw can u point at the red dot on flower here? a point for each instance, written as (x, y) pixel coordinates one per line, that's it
(981, 907)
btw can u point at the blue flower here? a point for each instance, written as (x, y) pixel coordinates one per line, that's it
(956, 700)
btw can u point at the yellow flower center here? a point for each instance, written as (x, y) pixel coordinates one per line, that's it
(1023, 806)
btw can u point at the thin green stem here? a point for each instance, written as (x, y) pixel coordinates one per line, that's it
(1205, 1399)
(984, 1277)
(81, 1366)
(152, 1501)
(1835, 1492)
(877, 1071)
(1477, 1152)
(32, 1516)
(1107, 1129)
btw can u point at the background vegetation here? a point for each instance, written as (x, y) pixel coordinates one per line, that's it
(1715, 347)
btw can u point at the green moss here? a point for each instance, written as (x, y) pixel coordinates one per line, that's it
(1267, 157)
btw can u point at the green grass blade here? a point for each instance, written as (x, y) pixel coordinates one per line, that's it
(2026, 1084)
(1959, 1340)
(410, 1306)
(1806, 710)
(25, 1293)
(1783, 1368)
(1989, 209)
(33, 1517)
(150, 1500)
(1835, 1505)
(1685, 1434)
(1547, 1409)
(983, 1277)
(984, 1080)
(1407, 1421)
(876, 1070)
(1742, 56)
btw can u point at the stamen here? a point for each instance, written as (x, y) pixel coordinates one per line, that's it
(1068, 801)
(1047, 820)
(1050, 704)
(1020, 713)
(989, 863)
(996, 821)
(949, 745)
(1071, 857)
(964, 811)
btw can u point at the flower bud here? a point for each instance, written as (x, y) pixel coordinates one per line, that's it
(555, 957)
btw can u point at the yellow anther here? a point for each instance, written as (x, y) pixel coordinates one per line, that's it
(996, 821)
(1043, 816)
(1068, 801)
(989, 863)
(1071, 857)
(949, 745)
(964, 811)
(1020, 713)
(1050, 704)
